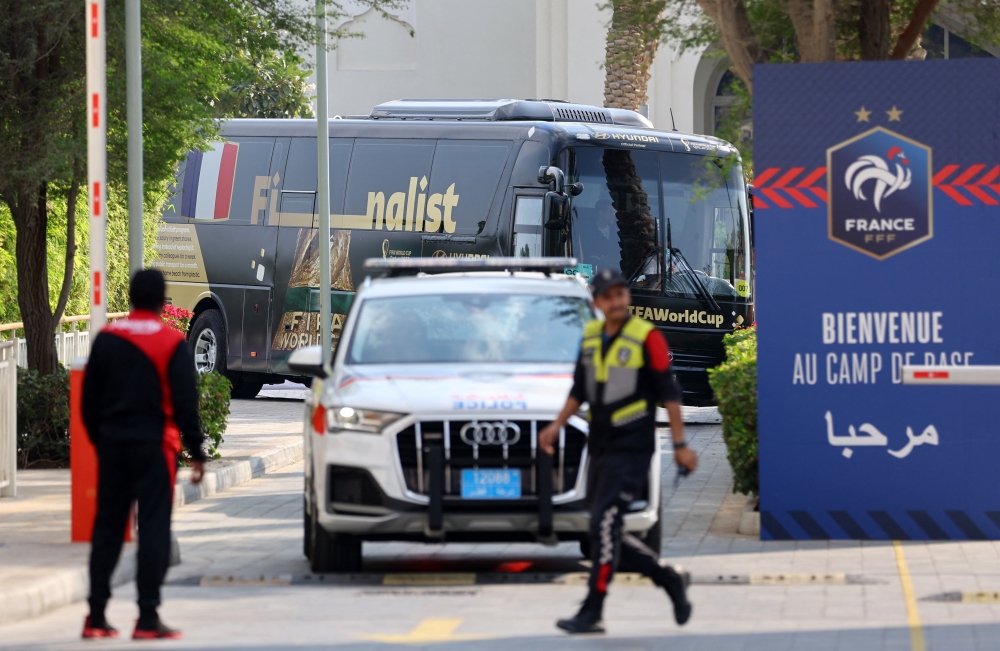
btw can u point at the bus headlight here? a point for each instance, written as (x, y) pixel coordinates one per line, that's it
(359, 420)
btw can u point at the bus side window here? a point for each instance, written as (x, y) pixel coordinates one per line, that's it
(218, 185)
(252, 166)
(465, 175)
(528, 227)
(388, 184)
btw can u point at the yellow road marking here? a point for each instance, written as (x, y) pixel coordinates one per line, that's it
(799, 578)
(912, 614)
(227, 581)
(430, 578)
(429, 630)
(980, 597)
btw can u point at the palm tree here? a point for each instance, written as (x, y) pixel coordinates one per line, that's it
(633, 37)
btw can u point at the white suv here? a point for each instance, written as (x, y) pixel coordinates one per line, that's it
(427, 428)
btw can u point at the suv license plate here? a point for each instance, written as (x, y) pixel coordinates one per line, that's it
(491, 484)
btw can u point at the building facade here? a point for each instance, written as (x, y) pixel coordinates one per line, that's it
(552, 49)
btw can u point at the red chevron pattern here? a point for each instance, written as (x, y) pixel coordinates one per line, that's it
(964, 181)
(786, 183)
(784, 190)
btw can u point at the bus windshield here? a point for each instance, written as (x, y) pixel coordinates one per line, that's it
(674, 224)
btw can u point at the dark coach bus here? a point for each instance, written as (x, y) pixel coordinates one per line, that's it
(239, 240)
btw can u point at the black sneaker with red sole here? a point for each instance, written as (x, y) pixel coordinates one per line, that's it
(95, 632)
(158, 632)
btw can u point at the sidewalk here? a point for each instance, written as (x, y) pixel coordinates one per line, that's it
(40, 569)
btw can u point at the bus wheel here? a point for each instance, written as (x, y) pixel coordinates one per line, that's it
(208, 342)
(245, 388)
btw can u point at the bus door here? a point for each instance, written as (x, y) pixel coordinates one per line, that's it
(295, 313)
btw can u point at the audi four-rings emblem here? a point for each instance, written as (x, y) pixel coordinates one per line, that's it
(503, 433)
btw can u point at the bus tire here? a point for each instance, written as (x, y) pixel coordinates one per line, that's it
(208, 342)
(245, 388)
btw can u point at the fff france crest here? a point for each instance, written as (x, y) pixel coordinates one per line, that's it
(879, 193)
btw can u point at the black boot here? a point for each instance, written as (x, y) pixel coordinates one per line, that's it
(588, 620)
(675, 582)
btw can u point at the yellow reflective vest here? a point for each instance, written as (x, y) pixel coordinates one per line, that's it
(617, 401)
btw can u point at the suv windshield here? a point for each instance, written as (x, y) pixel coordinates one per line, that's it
(638, 205)
(468, 328)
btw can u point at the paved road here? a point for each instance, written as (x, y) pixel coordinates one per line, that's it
(255, 530)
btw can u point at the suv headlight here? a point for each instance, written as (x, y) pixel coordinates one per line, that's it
(359, 420)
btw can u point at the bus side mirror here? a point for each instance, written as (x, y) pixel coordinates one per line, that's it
(555, 209)
(307, 361)
(750, 210)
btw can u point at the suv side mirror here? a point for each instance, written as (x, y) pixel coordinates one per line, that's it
(307, 361)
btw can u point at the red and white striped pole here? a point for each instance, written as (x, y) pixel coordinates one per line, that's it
(97, 162)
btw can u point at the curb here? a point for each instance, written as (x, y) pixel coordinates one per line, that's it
(72, 585)
(234, 473)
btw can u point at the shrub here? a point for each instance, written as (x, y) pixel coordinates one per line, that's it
(735, 385)
(214, 390)
(43, 418)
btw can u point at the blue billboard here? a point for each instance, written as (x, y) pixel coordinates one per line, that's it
(877, 195)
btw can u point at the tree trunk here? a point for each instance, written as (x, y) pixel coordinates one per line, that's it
(633, 38)
(738, 38)
(815, 29)
(67, 282)
(30, 219)
(636, 226)
(874, 29)
(911, 35)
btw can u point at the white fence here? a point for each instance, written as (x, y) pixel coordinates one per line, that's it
(8, 420)
(72, 340)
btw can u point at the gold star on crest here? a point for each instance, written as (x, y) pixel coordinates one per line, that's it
(894, 114)
(862, 114)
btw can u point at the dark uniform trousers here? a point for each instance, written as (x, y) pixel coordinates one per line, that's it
(141, 471)
(614, 481)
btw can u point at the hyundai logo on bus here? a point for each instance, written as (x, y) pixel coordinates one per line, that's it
(880, 193)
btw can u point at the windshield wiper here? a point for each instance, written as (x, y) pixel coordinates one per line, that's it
(703, 292)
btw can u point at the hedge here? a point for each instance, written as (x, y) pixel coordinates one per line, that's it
(43, 419)
(735, 385)
(214, 390)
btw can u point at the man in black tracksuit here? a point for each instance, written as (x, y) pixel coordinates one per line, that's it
(622, 373)
(139, 400)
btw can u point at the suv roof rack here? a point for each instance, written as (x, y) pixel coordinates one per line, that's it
(394, 267)
(497, 110)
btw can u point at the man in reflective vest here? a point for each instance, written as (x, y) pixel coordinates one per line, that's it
(623, 372)
(139, 401)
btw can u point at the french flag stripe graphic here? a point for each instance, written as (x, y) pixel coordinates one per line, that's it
(208, 182)
(227, 175)
(191, 174)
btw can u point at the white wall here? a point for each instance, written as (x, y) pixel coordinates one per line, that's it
(551, 49)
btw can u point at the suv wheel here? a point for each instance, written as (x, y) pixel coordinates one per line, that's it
(208, 342)
(654, 538)
(307, 535)
(334, 552)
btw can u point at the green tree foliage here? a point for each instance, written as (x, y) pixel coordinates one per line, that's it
(196, 55)
(735, 385)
